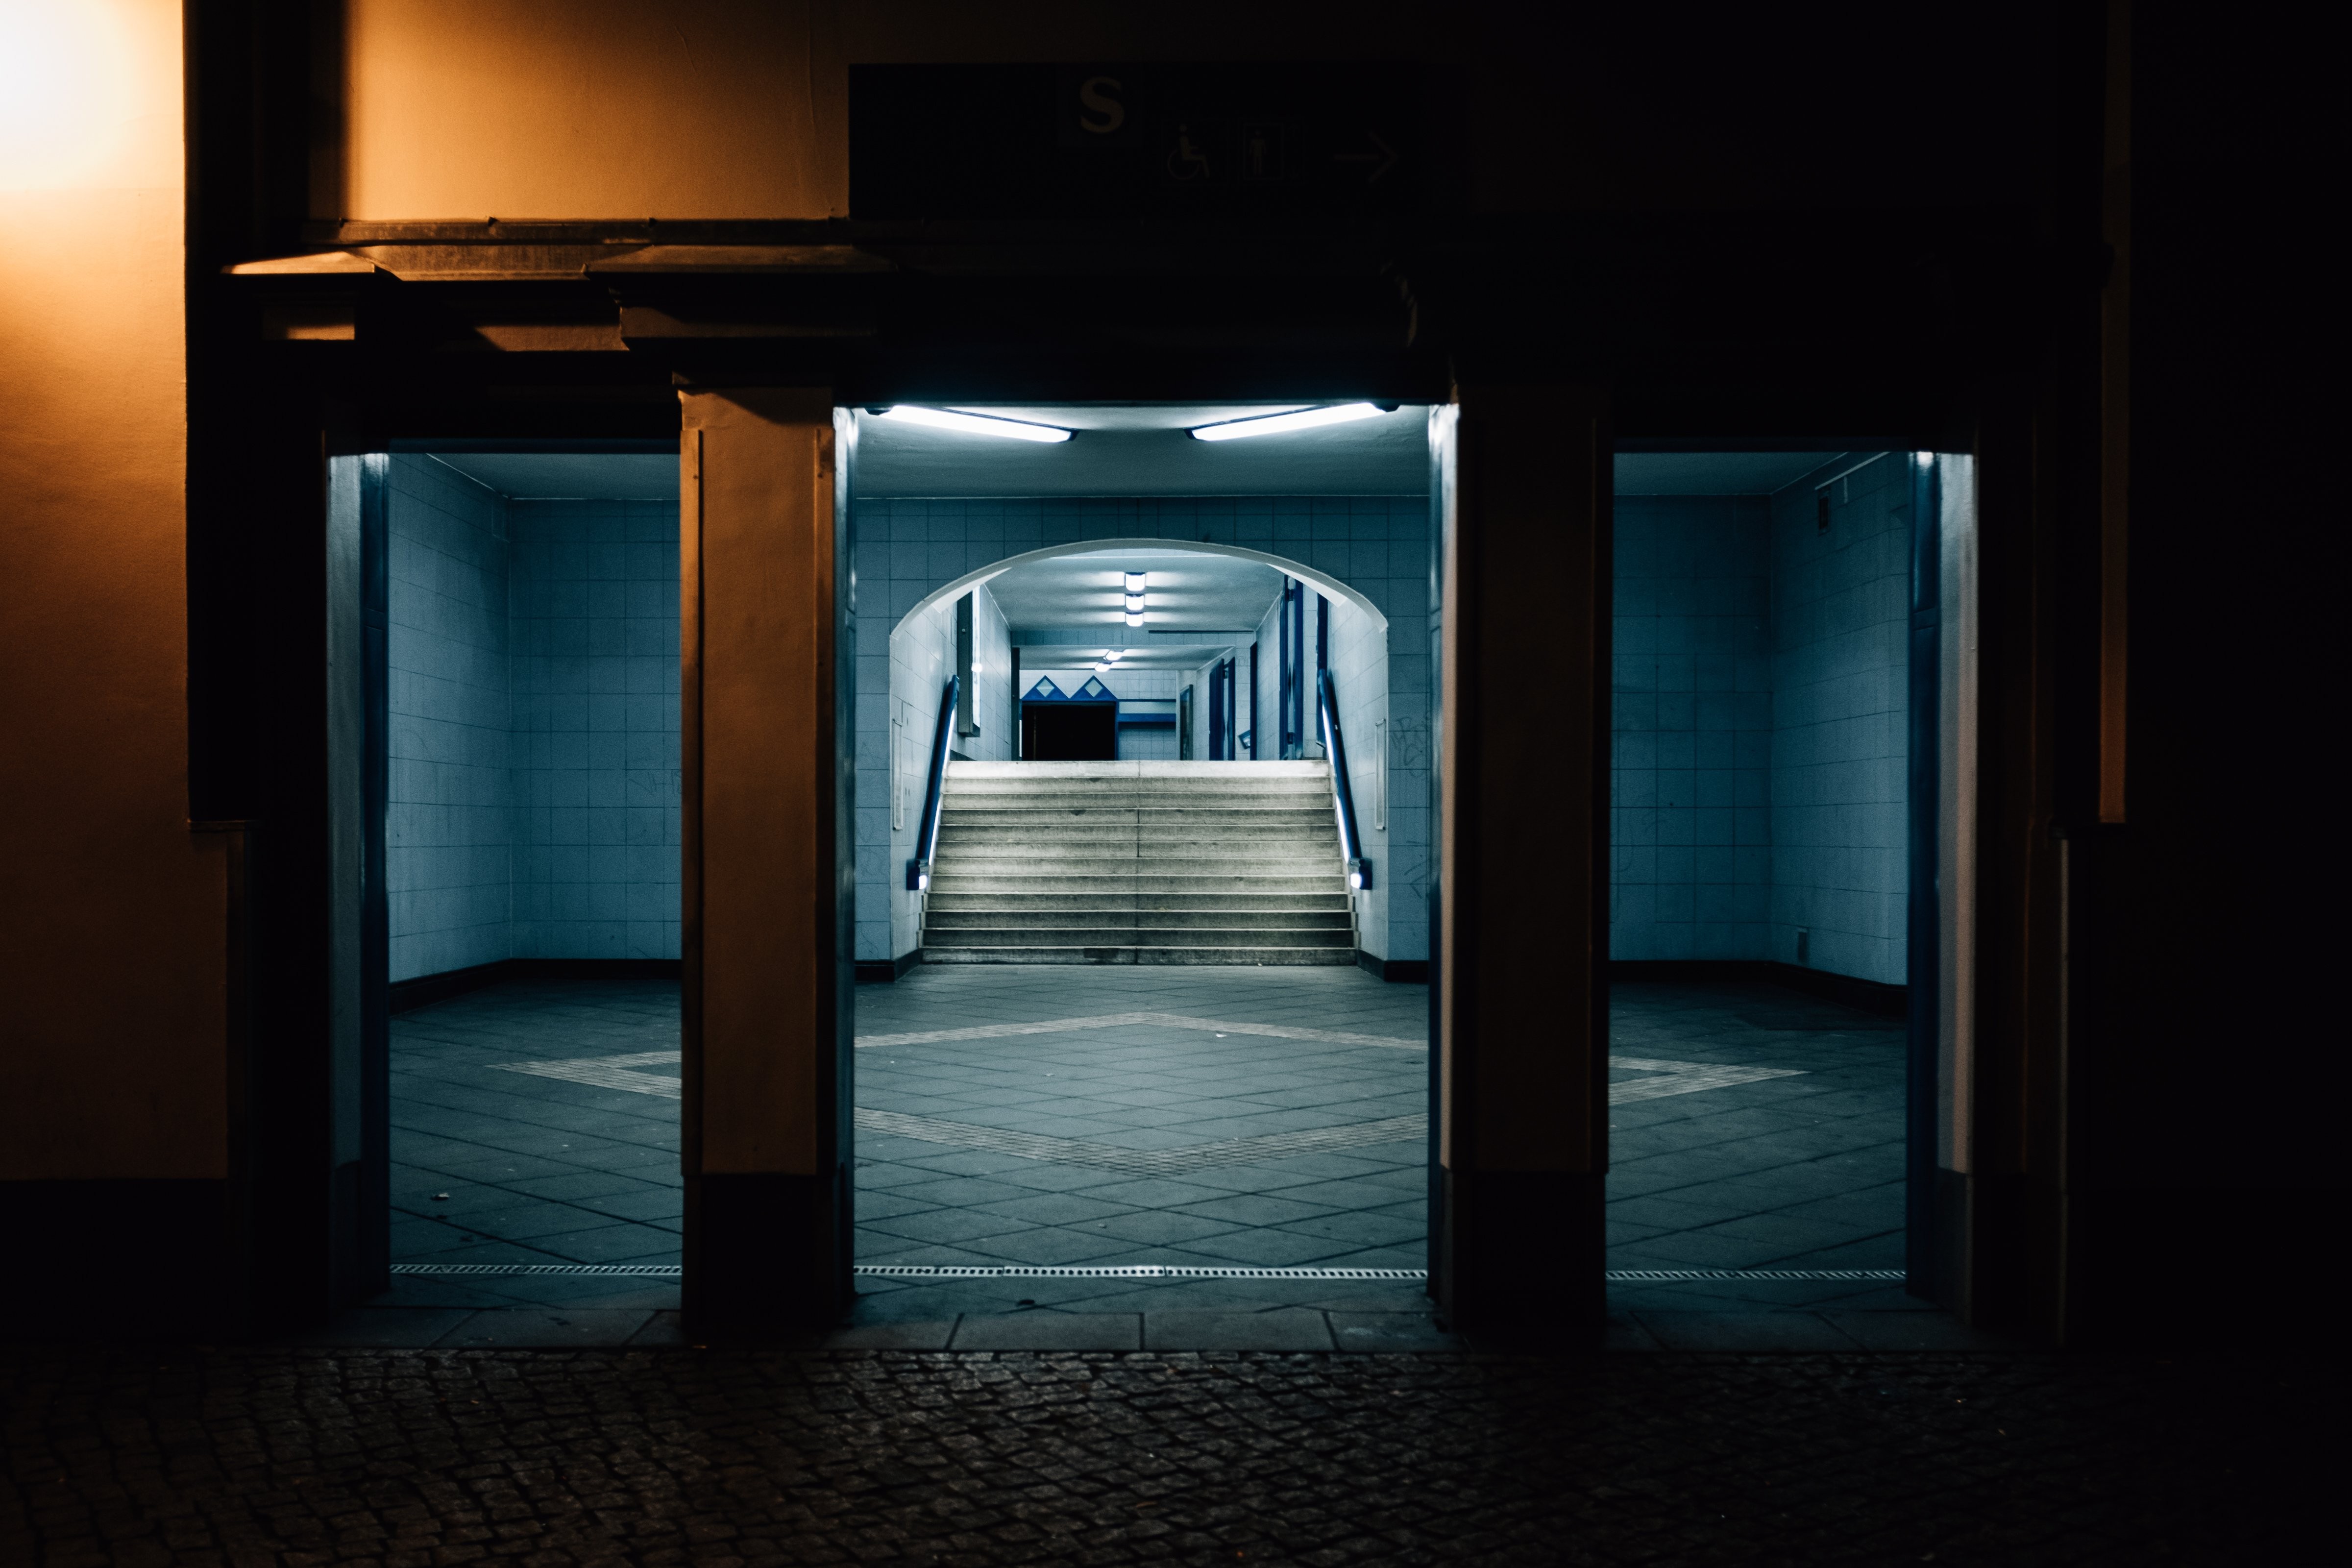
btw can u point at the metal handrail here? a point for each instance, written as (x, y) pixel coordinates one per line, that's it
(1327, 711)
(927, 831)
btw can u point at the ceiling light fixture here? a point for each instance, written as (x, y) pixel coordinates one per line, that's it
(1280, 424)
(1135, 581)
(971, 424)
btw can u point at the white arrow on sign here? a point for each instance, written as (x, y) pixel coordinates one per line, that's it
(1384, 155)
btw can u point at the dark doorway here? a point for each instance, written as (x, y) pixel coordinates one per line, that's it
(1069, 732)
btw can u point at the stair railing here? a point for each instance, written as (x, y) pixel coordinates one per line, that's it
(927, 831)
(1352, 843)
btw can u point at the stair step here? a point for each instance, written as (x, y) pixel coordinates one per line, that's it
(1286, 819)
(1044, 861)
(1108, 920)
(945, 881)
(1237, 957)
(1141, 936)
(1082, 830)
(1138, 863)
(1120, 900)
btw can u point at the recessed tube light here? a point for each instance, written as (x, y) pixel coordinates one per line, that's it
(974, 424)
(1135, 581)
(1135, 617)
(1279, 424)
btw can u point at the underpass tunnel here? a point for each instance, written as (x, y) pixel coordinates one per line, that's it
(1772, 865)
(1152, 1019)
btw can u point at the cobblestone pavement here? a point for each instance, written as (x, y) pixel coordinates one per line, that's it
(725, 1457)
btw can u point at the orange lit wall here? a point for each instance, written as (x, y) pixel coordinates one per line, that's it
(718, 109)
(111, 931)
(577, 109)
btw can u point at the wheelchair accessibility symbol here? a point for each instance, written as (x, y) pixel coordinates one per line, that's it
(1186, 162)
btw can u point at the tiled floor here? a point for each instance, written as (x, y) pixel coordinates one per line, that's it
(1801, 1171)
(1269, 1118)
(534, 1170)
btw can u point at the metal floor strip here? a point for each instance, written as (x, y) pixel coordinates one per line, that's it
(508, 1271)
(1128, 1271)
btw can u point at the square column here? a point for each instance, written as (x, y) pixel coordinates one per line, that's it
(1519, 1009)
(767, 899)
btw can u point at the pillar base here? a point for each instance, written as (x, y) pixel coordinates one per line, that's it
(767, 1254)
(1520, 1253)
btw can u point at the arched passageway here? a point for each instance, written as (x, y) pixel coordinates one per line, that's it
(1365, 558)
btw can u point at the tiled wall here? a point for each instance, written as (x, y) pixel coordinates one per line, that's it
(595, 610)
(1267, 731)
(449, 824)
(1690, 828)
(1840, 656)
(921, 656)
(1761, 687)
(1379, 545)
(1361, 673)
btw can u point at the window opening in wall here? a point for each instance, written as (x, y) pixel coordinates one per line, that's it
(532, 865)
(1185, 863)
(1762, 896)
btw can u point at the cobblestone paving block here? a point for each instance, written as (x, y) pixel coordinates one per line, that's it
(731, 1459)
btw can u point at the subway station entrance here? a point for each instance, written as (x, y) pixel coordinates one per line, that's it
(865, 612)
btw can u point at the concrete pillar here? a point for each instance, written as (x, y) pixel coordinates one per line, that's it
(767, 900)
(1520, 1015)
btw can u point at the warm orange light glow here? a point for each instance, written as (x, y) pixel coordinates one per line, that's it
(66, 88)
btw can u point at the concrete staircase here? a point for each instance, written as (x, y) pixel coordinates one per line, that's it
(1138, 863)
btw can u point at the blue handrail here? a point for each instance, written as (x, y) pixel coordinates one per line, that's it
(927, 832)
(1352, 843)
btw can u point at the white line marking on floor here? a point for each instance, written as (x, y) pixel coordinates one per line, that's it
(1144, 1161)
(1160, 1020)
(1684, 1078)
(1667, 1078)
(607, 1072)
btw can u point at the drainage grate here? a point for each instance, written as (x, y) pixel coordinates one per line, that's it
(1650, 1276)
(1136, 1271)
(477, 1270)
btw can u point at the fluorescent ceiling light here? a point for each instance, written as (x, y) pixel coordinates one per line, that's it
(1278, 424)
(1135, 581)
(974, 423)
(1135, 617)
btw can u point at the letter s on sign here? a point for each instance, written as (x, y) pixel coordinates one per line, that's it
(1096, 102)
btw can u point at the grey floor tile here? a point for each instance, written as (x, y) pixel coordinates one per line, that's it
(622, 1242)
(543, 1328)
(1913, 1330)
(1280, 1329)
(388, 1326)
(1054, 1208)
(920, 1334)
(1257, 1208)
(1379, 1332)
(1760, 1332)
(1049, 1331)
(952, 1225)
(1160, 1227)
